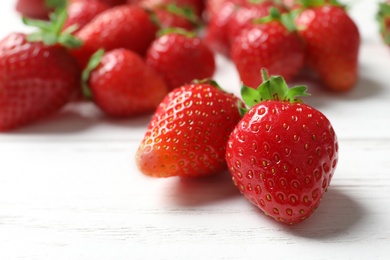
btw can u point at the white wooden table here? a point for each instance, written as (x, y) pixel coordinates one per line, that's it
(70, 189)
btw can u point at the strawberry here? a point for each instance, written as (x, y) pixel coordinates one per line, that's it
(246, 13)
(216, 35)
(272, 45)
(38, 9)
(82, 12)
(122, 85)
(187, 134)
(283, 153)
(332, 44)
(124, 26)
(38, 76)
(180, 57)
(383, 18)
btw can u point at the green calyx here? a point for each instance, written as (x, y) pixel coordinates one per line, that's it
(286, 19)
(92, 64)
(50, 32)
(316, 3)
(272, 88)
(55, 3)
(383, 18)
(176, 30)
(186, 13)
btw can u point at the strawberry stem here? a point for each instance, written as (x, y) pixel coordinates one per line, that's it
(176, 30)
(50, 32)
(274, 15)
(272, 88)
(92, 64)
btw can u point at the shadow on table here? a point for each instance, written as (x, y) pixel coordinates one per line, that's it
(336, 216)
(205, 190)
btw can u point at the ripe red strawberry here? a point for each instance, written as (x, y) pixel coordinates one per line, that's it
(188, 133)
(81, 12)
(124, 26)
(180, 57)
(38, 76)
(283, 153)
(246, 13)
(383, 18)
(122, 85)
(269, 45)
(332, 45)
(38, 9)
(216, 35)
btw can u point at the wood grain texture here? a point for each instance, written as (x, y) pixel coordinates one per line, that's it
(70, 189)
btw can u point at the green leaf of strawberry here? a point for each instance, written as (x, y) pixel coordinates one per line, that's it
(50, 32)
(273, 88)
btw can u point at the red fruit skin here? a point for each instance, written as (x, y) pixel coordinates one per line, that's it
(181, 59)
(82, 12)
(216, 35)
(245, 14)
(332, 44)
(123, 85)
(124, 26)
(36, 9)
(35, 80)
(188, 133)
(269, 46)
(282, 157)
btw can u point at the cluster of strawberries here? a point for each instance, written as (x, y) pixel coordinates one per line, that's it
(135, 57)
(125, 57)
(287, 38)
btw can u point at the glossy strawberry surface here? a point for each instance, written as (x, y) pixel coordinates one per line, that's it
(123, 85)
(35, 80)
(125, 26)
(188, 133)
(282, 157)
(181, 58)
(271, 46)
(332, 42)
(81, 12)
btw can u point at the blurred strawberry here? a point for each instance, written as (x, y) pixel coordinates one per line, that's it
(216, 35)
(122, 85)
(273, 44)
(125, 26)
(180, 57)
(81, 12)
(332, 43)
(38, 9)
(38, 76)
